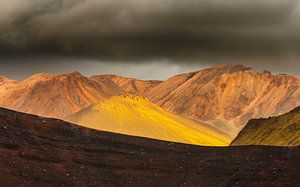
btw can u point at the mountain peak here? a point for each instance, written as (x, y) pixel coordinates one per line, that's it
(56, 95)
(38, 77)
(72, 74)
(231, 68)
(130, 85)
(41, 77)
(4, 80)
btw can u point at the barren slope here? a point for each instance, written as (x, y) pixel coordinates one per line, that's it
(133, 115)
(130, 85)
(57, 95)
(6, 85)
(282, 130)
(227, 96)
(36, 151)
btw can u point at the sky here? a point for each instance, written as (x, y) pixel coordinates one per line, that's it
(147, 39)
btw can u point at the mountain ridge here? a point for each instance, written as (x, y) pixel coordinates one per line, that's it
(56, 95)
(131, 85)
(227, 96)
(280, 130)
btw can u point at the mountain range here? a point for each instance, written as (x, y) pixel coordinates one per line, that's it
(223, 97)
(56, 96)
(227, 96)
(112, 130)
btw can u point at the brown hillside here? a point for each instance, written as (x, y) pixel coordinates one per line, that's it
(36, 151)
(57, 95)
(130, 85)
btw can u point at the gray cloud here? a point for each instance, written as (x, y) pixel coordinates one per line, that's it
(255, 32)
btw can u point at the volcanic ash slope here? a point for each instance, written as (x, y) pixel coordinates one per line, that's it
(137, 116)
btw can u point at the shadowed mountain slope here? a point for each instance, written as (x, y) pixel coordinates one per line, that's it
(137, 116)
(227, 96)
(282, 130)
(130, 85)
(36, 151)
(57, 95)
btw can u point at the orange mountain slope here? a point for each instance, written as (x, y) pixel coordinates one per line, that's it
(130, 85)
(137, 116)
(227, 96)
(6, 85)
(56, 95)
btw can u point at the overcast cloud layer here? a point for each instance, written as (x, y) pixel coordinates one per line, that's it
(185, 33)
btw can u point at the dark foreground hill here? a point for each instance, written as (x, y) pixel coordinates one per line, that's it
(37, 151)
(283, 130)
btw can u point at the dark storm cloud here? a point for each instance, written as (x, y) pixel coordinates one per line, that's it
(137, 30)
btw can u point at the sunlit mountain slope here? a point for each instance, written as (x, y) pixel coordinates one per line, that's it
(6, 85)
(281, 130)
(227, 96)
(130, 85)
(133, 115)
(54, 96)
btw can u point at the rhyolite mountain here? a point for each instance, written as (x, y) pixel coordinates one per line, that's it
(36, 151)
(56, 95)
(227, 96)
(137, 116)
(130, 85)
(283, 130)
(62, 95)
(6, 85)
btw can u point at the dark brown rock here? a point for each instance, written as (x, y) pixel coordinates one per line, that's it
(36, 151)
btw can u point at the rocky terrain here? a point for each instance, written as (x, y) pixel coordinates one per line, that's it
(6, 85)
(130, 85)
(227, 96)
(137, 116)
(36, 151)
(282, 130)
(59, 96)
(56, 96)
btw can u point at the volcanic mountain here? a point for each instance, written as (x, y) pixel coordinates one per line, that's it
(227, 96)
(130, 85)
(36, 151)
(137, 116)
(55, 95)
(282, 130)
(6, 85)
